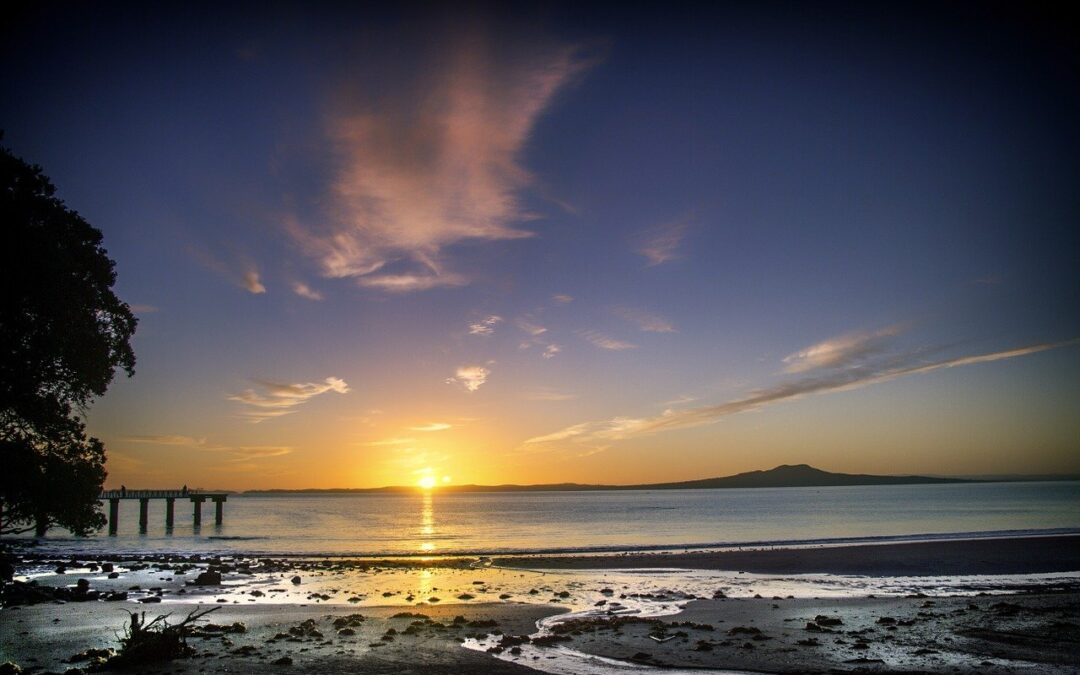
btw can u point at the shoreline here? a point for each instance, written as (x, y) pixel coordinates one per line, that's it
(1005, 555)
(47, 548)
(1002, 554)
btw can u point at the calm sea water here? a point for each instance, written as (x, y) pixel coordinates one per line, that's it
(436, 523)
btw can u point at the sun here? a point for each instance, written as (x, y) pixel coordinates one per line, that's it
(426, 482)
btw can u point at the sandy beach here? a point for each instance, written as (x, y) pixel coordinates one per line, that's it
(1014, 609)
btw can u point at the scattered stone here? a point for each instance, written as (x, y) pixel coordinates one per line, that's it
(208, 578)
(296, 580)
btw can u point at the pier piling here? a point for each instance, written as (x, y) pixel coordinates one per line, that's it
(114, 514)
(170, 505)
(219, 510)
(196, 514)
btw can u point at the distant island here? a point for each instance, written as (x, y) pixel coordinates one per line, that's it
(784, 476)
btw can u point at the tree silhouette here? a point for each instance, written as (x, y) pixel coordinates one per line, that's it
(63, 333)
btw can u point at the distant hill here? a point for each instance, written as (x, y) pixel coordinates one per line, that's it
(786, 475)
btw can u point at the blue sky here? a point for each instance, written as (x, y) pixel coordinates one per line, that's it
(561, 243)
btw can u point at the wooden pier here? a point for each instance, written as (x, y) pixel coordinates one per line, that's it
(170, 497)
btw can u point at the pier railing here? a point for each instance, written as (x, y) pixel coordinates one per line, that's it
(157, 494)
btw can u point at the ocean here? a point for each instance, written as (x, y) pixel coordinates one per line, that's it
(435, 523)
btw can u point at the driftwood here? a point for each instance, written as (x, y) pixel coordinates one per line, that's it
(156, 640)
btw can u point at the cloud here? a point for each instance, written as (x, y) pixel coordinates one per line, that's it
(562, 435)
(248, 452)
(485, 326)
(239, 271)
(277, 399)
(404, 283)
(839, 351)
(165, 440)
(660, 244)
(528, 326)
(434, 161)
(562, 298)
(551, 350)
(241, 452)
(470, 377)
(602, 341)
(650, 323)
(433, 426)
(845, 379)
(305, 291)
(143, 309)
(252, 283)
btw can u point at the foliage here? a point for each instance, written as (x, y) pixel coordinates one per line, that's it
(63, 333)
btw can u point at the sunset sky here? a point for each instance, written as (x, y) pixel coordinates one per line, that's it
(373, 247)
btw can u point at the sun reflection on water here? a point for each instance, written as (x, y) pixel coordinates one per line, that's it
(427, 522)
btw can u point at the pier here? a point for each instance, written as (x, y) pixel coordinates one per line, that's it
(170, 496)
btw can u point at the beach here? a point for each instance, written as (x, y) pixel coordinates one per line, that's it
(1014, 608)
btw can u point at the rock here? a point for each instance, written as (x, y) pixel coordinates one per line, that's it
(208, 578)
(283, 661)
(82, 586)
(107, 567)
(346, 632)
(296, 580)
(150, 599)
(114, 575)
(9, 668)
(823, 620)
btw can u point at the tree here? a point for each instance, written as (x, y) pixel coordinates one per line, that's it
(63, 333)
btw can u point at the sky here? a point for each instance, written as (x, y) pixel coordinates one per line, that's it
(570, 242)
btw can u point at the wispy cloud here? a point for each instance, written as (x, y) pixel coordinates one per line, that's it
(305, 291)
(562, 298)
(470, 377)
(165, 439)
(144, 309)
(252, 282)
(485, 326)
(434, 162)
(650, 323)
(660, 244)
(239, 270)
(550, 351)
(276, 399)
(433, 426)
(239, 452)
(249, 452)
(529, 325)
(562, 434)
(840, 351)
(602, 341)
(835, 380)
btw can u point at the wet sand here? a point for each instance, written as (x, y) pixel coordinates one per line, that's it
(599, 607)
(1021, 555)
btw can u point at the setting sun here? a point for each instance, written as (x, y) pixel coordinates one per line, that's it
(427, 482)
